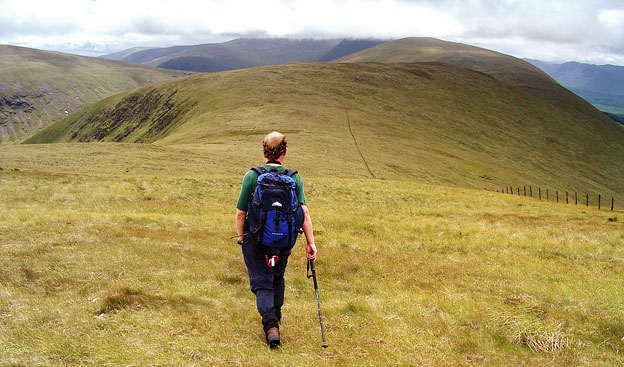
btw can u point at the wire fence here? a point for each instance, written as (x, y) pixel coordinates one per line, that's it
(545, 194)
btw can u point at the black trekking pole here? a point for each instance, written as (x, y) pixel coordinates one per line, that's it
(318, 303)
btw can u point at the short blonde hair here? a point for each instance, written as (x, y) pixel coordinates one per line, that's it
(274, 145)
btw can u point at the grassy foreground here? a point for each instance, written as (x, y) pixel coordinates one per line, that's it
(119, 254)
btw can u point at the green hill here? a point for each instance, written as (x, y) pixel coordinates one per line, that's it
(38, 88)
(429, 122)
(504, 68)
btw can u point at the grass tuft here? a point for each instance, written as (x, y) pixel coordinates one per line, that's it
(231, 279)
(533, 333)
(29, 273)
(125, 298)
(355, 308)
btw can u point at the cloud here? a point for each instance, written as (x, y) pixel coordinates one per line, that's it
(569, 29)
(11, 27)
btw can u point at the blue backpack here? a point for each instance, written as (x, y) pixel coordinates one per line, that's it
(274, 213)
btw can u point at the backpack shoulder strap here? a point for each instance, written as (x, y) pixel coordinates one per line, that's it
(260, 170)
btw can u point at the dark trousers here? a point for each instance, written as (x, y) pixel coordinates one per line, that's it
(266, 283)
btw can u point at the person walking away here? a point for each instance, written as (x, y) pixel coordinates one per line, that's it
(265, 256)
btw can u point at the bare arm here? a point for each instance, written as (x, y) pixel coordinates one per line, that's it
(309, 234)
(240, 224)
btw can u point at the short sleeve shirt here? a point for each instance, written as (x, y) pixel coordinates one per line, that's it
(250, 181)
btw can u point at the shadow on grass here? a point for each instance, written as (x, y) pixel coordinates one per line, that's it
(136, 300)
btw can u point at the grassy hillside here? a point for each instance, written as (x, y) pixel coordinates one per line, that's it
(119, 254)
(504, 68)
(432, 123)
(38, 88)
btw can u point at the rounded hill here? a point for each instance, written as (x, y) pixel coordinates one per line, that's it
(504, 68)
(430, 122)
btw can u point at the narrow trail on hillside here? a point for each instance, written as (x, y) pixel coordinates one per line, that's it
(357, 146)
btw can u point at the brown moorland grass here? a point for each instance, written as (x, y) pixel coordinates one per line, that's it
(119, 254)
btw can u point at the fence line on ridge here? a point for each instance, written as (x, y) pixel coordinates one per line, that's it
(510, 190)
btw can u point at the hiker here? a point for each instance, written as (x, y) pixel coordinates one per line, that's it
(266, 257)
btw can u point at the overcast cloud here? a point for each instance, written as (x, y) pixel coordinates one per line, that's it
(585, 31)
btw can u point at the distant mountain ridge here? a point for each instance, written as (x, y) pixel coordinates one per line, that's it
(601, 85)
(125, 53)
(608, 79)
(245, 52)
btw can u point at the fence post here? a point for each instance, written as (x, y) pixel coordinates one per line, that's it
(531, 190)
(575, 198)
(587, 199)
(518, 190)
(546, 194)
(566, 197)
(557, 193)
(611, 203)
(598, 201)
(540, 192)
(524, 187)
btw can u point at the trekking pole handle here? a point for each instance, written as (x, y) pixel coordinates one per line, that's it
(313, 276)
(310, 264)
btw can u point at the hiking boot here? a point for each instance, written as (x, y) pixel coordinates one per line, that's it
(273, 337)
(271, 329)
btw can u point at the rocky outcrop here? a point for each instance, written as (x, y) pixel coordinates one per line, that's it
(24, 108)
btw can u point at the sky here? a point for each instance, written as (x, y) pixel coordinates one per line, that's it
(555, 31)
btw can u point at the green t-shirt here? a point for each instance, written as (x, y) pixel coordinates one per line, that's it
(250, 181)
